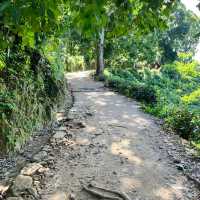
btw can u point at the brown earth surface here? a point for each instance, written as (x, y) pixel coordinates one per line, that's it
(116, 146)
(105, 140)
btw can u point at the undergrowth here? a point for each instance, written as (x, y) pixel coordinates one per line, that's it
(171, 93)
(28, 94)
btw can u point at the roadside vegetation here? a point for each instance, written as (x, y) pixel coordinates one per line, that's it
(159, 70)
(31, 70)
(171, 93)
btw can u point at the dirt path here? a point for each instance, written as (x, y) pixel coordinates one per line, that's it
(117, 146)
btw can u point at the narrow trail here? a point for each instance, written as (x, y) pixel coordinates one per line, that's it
(116, 145)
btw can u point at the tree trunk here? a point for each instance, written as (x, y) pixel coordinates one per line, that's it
(100, 53)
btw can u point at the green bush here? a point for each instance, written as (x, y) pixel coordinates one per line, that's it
(27, 99)
(113, 82)
(196, 124)
(171, 72)
(180, 120)
(192, 98)
(171, 93)
(75, 63)
(144, 93)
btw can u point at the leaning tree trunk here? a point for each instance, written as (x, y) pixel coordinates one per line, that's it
(100, 53)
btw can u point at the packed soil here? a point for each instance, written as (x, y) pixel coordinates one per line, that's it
(113, 144)
(107, 141)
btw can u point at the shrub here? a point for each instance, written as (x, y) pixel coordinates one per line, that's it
(113, 81)
(162, 93)
(75, 63)
(170, 71)
(180, 120)
(27, 99)
(128, 74)
(192, 98)
(188, 70)
(196, 125)
(144, 93)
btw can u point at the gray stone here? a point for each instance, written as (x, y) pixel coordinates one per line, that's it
(21, 184)
(61, 128)
(14, 198)
(190, 195)
(80, 124)
(40, 156)
(59, 135)
(31, 169)
(32, 191)
(20, 162)
(177, 161)
(43, 170)
(46, 148)
(58, 196)
(180, 167)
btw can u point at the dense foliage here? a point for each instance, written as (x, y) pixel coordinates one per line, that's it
(171, 92)
(26, 99)
(158, 47)
(31, 73)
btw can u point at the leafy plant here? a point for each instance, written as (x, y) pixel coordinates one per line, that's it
(180, 119)
(170, 93)
(144, 93)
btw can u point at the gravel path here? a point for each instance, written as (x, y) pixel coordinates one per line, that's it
(104, 140)
(110, 142)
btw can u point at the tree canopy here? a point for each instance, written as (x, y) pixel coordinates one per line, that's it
(32, 21)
